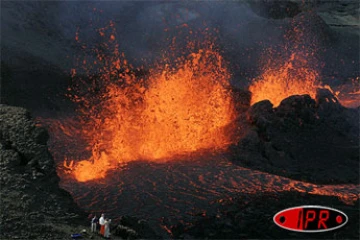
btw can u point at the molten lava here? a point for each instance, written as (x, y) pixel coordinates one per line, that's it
(349, 94)
(179, 108)
(297, 77)
(294, 77)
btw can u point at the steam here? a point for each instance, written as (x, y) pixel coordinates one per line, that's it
(46, 30)
(144, 29)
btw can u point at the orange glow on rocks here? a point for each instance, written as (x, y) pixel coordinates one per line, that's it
(177, 109)
(294, 77)
(349, 94)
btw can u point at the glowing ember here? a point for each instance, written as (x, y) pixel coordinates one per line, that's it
(176, 110)
(294, 77)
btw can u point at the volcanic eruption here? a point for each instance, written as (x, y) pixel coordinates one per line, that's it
(278, 83)
(182, 106)
(177, 112)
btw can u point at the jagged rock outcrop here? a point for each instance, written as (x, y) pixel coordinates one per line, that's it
(32, 203)
(303, 138)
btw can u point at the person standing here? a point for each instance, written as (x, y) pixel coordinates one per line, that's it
(102, 224)
(93, 224)
(107, 228)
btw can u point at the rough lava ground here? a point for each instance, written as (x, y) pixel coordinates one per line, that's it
(313, 140)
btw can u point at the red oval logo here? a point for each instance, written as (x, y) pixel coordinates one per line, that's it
(310, 218)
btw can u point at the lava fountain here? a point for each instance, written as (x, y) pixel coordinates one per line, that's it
(180, 107)
(295, 74)
(294, 77)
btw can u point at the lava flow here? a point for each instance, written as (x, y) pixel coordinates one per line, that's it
(181, 190)
(178, 108)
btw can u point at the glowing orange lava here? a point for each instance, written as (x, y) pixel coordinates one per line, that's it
(294, 77)
(179, 108)
(349, 94)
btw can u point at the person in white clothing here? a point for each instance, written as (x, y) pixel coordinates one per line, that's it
(102, 224)
(107, 228)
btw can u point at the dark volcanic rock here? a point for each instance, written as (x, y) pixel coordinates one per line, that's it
(241, 98)
(259, 113)
(133, 228)
(31, 199)
(303, 139)
(275, 9)
(251, 217)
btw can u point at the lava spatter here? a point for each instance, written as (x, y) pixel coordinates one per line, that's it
(180, 107)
